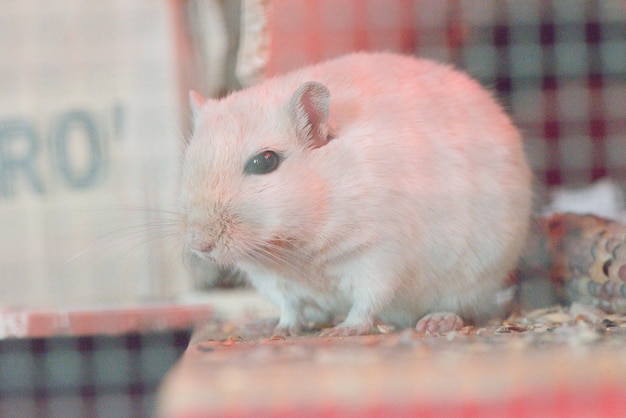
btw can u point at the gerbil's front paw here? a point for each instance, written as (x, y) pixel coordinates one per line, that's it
(287, 330)
(439, 323)
(346, 330)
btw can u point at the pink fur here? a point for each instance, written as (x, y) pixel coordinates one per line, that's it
(417, 201)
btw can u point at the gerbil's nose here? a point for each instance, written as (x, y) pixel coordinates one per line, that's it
(199, 242)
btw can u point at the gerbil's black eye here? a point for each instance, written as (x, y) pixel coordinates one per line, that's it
(263, 163)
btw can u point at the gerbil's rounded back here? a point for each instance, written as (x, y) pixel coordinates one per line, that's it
(373, 185)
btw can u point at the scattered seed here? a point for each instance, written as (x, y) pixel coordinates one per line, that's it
(385, 329)
(609, 323)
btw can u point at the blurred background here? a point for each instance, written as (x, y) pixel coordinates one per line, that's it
(93, 111)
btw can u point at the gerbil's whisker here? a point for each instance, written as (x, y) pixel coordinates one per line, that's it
(151, 225)
(274, 254)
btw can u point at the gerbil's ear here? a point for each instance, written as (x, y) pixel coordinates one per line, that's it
(195, 102)
(309, 107)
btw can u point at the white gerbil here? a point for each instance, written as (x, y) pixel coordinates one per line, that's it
(373, 187)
